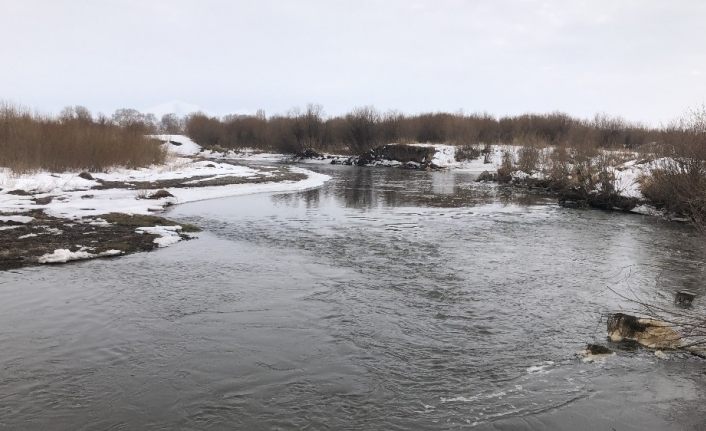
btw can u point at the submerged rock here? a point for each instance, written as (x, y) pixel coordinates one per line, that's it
(684, 298)
(597, 349)
(595, 352)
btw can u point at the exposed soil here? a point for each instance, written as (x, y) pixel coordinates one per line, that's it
(269, 175)
(22, 244)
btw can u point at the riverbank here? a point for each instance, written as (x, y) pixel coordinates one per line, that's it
(609, 179)
(59, 217)
(76, 203)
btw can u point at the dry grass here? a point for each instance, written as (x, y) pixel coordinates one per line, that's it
(31, 142)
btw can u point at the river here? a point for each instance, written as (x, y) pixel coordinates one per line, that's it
(387, 299)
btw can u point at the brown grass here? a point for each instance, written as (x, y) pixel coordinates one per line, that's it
(75, 141)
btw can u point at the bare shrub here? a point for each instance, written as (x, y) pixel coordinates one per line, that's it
(432, 127)
(506, 168)
(205, 130)
(678, 184)
(313, 126)
(604, 180)
(361, 133)
(390, 127)
(487, 152)
(310, 129)
(285, 135)
(135, 120)
(528, 159)
(171, 124)
(243, 131)
(679, 187)
(467, 152)
(559, 171)
(74, 141)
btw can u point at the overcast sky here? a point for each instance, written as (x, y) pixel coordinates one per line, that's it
(644, 60)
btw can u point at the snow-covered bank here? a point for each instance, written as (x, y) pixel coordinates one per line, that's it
(73, 197)
(82, 198)
(445, 157)
(626, 169)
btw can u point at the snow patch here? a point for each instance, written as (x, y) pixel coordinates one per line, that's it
(185, 146)
(63, 255)
(167, 235)
(646, 210)
(16, 219)
(519, 175)
(445, 155)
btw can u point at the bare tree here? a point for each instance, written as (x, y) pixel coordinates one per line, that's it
(171, 124)
(133, 119)
(362, 130)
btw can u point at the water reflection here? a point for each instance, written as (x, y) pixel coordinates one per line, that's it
(370, 188)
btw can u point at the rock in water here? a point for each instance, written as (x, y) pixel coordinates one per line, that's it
(597, 349)
(684, 298)
(649, 333)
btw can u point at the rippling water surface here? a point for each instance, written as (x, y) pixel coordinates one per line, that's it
(387, 299)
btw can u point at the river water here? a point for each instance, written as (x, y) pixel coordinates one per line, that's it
(387, 299)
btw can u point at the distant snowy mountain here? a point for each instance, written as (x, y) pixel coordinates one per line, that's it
(174, 107)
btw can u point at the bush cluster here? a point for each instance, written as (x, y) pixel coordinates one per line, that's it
(365, 128)
(72, 141)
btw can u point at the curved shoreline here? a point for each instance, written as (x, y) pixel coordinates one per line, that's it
(81, 223)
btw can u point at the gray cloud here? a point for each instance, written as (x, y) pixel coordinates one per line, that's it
(644, 60)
